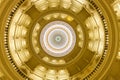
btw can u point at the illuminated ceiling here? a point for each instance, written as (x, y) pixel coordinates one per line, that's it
(59, 39)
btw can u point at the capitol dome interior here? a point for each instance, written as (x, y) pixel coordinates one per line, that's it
(59, 39)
